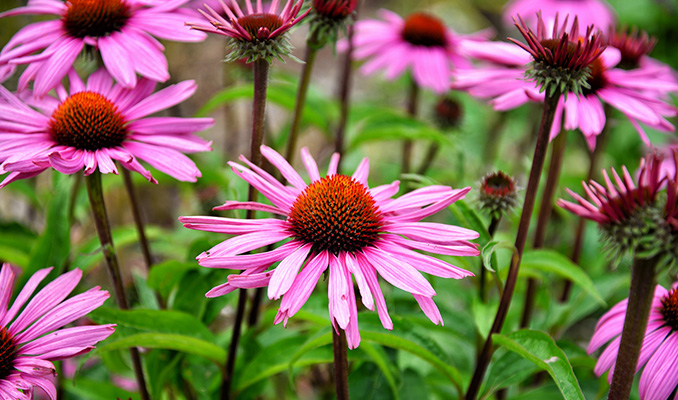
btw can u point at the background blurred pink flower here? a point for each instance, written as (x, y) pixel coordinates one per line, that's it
(589, 12)
(99, 122)
(122, 31)
(336, 222)
(420, 44)
(30, 340)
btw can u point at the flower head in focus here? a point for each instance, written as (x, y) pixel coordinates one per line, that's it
(254, 34)
(122, 30)
(31, 339)
(589, 12)
(96, 124)
(336, 222)
(420, 44)
(659, 350)
(561, 59)
(631, 216)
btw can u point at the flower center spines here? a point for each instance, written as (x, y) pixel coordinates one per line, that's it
(7, 353)
(87, 121)
(95, 18)
(336, 214)
(423, 29)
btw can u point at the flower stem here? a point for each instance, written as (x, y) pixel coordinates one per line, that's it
(548, 111)
(556, 162)
(261, 68)
(428, 159)
(412, 103)
(580, 232)
(345, 94)
(339, 346)
(643, 281)
(96, 199)
(312, 47)
(138, 220)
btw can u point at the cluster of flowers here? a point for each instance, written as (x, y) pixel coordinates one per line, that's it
(337, 222)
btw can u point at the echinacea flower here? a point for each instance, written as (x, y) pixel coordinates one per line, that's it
(255, 34)
(122, 30)
(420, 44)
(97, 124)
(31, 339)
(336, 222)
(638, 94)
(328, 17)
(589, 12)
(628, 214)
(659, 351)
(561, 58)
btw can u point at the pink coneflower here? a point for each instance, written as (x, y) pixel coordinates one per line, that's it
(659, 352)
(30, 340)
(256, 34)
(638, 94)
(628, 213)
(336, 222)
(96, 124)
(421, 43)
(498, 194)
(122, 31)
(589, 12)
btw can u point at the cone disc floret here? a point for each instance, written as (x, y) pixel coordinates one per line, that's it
(95, 18)
(87, 121)
(561, 61)
(422, 29)
(448, 113)
(669, 309)
(498, 194)
(632, 45)
(7, 353)
(328, 18)
(335, 214)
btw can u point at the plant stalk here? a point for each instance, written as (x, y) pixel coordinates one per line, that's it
(580, 232)
(492, 228)
(555, 164)
(643, 282)
(339, 346)
(345, 94)
(312, 47)
(96, 199)
(261, 68)
(548, 111)
(138, 219)
(412, 108)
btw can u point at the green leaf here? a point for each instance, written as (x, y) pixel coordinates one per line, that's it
(550, 261)
(183, 343)
(490, 248)
(509, 369)
(152, 321)
(386, 366)
(407, 341)
(165, 276)
(97, 390)
(540, 348)
(470, 218)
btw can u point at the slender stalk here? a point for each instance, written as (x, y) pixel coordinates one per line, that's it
(412, 106)
(339, 346)
(548, 111)
(138, 219)
(580, 232)
(312, 47)
(557, 152)
(643, 281)
(345, 93)
(431, 154)
(261, 68)
(96, 199)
